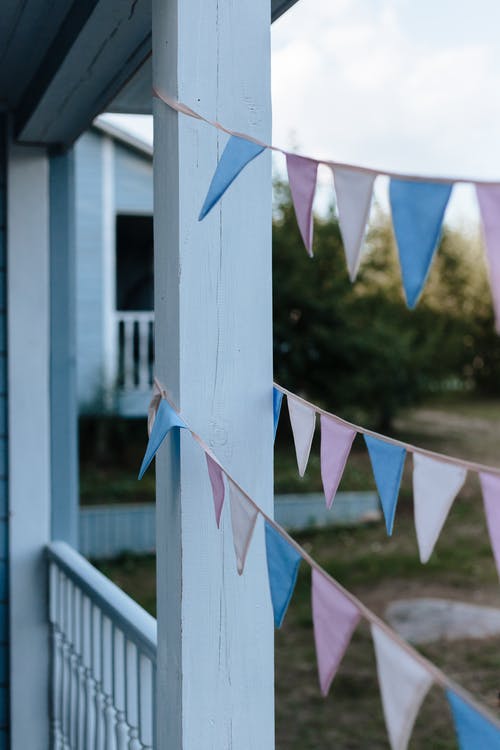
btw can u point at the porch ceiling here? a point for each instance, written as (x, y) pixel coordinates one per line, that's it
(62, 64)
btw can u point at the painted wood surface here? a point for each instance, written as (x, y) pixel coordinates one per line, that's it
(214, 353)
(111, 179)
(64, 411)
(4, 499)
(89, 268)
(29, 442)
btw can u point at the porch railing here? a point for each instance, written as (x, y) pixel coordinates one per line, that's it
(103, 660)
(134, 336)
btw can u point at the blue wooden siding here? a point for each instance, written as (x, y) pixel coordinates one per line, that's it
(89, 266)
(133, 181)
(4, 541)
(133, 194)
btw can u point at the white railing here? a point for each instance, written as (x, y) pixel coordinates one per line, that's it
(103, 660)
(134, 336)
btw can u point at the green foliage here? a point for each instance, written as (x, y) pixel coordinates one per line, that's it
(357, 347)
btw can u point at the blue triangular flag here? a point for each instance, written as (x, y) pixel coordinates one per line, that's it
(277, 399)
(282, 566)
(387, 463)
(417, 214)
(237, 154)
(165, 419)
(474, 731)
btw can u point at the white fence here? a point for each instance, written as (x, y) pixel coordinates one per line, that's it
(135, 350)
(103, 660)
(107, 530)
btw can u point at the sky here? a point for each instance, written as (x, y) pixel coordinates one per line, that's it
(391, 84)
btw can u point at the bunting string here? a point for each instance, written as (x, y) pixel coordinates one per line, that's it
(438, 676)
(185, 110)
(464, 463)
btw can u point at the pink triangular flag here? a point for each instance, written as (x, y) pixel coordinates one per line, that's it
(243, 520)
(303, 421)
(404, 683)
(334, 618)
(336, 442)
(302, 173)
(354, 191)
(490, 485)
(488, 197)
(217, 482)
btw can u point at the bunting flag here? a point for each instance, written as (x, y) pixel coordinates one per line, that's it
(387, 462)
(417, 212)
(490, 486)
(283, 563)
(354, 191)
(243, 520)
(303, 421)
(335, 618)
(435, 486)
(404, 683)
(336, 442)
(153, 406)
(217, 481)
(166, 418)
(474, 731)
(237, 154)
(277, 400)
(302, 173)
(488, 197)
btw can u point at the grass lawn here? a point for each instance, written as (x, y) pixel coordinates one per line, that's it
(379, 570)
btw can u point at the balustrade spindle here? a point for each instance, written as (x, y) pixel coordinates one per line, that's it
(103, 660)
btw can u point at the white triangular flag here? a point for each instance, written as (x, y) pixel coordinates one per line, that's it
(354, 191)
(435, 486)
(303, 421)
(404, 683)
(243, 520)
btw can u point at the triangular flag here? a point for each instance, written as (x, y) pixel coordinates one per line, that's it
(354, 191)
(417, 213)
(303, 421)
(490, 485)
(488, 197)
(302, 173)
(387, 462)
(217, 482)
(334, 618)
(243, 520)
(283, 562)
(404, 683)
(435, 486)
(474, 731)
(238, 153)
(153, 406)
(165, 419)
(277, 399)
(336, 442)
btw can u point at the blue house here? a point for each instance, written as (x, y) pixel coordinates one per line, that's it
(81, 664)
(114, 268)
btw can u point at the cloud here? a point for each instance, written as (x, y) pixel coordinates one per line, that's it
(365, 82)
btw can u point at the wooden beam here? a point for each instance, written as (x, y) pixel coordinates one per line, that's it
(29, 443)
(63, 402)
(213, 342)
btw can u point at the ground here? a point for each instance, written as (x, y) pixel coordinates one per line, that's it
(379, 570)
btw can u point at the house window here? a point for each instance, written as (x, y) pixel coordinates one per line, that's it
(134, 262)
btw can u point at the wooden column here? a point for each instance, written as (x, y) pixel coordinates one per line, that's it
(213, 338)
(29, 442)
(64, 409)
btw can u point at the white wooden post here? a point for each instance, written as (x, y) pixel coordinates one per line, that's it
(29, 443)
(213, 340)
